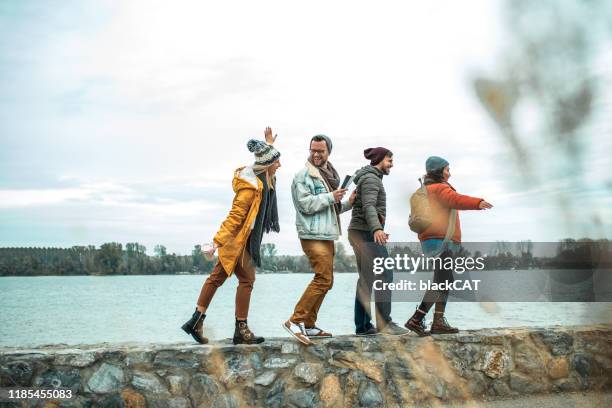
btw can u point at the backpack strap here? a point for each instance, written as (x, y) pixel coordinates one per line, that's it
(423, 186)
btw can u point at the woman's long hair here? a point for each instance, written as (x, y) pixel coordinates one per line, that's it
(260, 168)
(434, 177)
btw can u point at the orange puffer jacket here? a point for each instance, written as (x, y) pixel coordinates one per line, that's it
(443, 197)
(235, 230)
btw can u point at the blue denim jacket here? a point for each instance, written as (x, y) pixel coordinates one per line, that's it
(315, 213)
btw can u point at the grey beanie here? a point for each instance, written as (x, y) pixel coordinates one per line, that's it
(265, 154)
(328, 141)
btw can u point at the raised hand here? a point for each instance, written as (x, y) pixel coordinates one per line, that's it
(268, 134)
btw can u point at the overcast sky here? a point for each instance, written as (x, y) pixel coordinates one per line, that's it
(123, 121)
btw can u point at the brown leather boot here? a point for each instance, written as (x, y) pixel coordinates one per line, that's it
(440, 325)
(244, 335)
(416, 323)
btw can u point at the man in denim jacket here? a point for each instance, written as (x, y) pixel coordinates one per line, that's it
(317, 199)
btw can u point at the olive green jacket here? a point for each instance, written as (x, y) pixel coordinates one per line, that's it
(370, 207)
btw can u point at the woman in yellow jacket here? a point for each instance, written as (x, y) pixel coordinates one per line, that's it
(254, 211)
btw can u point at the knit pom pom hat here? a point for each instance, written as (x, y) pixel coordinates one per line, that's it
(265, 154)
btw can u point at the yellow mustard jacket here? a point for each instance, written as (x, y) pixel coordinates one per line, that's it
(235, 230)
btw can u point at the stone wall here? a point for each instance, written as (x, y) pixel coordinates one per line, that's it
(345, 371)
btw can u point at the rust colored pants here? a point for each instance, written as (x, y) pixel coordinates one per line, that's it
(320, 254)
(244, 271)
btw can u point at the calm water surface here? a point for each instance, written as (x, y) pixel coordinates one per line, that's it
(96, 309)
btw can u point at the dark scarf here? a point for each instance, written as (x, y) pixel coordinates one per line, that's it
(267, 219)
(331, 178)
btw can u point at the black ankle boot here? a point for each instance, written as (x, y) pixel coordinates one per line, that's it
(244, 335)
(416, 323)
(194, 327)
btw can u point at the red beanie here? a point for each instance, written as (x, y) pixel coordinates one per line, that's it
(375, 154)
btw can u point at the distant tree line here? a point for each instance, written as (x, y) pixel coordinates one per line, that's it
(113, 258)
(271, 262)
(570, 253)
(583, 253)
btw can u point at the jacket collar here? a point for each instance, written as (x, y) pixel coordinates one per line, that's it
(313, 171)
(376, 171)
(247, 174)
(438, 182)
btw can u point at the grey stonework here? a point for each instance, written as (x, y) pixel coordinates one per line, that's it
(381, 371)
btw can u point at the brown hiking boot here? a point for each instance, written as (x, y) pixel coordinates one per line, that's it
(244, 335)
(417, 324)
(440, 325)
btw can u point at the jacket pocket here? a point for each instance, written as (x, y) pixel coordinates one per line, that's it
(314, 224)
(319, 187)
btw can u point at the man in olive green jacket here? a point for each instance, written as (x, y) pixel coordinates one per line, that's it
(370, 207)
(368, 239)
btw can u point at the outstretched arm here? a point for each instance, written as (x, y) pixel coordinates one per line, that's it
(451, 199)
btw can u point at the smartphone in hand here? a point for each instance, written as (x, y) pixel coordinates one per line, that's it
(347, 181)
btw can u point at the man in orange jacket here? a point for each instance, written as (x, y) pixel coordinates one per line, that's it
(253, 213)
(442, 198)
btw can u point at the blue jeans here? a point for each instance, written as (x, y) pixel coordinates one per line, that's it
(365, 251)
(435, 248)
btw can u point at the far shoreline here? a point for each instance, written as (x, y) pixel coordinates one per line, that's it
(283, 273)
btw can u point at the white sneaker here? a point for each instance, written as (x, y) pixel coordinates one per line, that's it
(298, 331)
(316, 333)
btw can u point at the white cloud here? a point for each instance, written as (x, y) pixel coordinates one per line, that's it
(138, 112)
(107, 194)
(23, 198)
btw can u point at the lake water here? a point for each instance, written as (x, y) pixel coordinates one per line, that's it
(95, 309)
